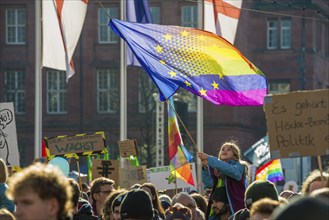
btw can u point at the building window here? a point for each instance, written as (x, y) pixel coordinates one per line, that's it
(105, 33)
(279, 87)
(274, 36)
(286, 34)
(146, 88)
(190, 16)
(107, 91)
(155, 13)
(15, 26)
(56, 92)
(14, 85)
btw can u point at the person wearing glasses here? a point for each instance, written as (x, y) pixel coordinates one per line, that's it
(100, 188)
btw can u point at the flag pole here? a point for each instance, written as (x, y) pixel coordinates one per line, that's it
(123, 79)
(38, 82)
(199, 122)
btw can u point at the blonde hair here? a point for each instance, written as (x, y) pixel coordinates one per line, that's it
(236, 153)
(47, 182)
(3, 171)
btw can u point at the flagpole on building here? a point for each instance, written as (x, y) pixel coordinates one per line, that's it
(199, 122)
(123, 79)
(38, 83)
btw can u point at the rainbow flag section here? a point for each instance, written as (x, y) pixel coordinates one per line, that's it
(178, 155)
(271, 171)
(196, 60)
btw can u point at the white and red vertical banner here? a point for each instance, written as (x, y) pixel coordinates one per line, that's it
(221, 17)
(62, 22)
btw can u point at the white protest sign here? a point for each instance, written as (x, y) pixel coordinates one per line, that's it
(159, 176)
(8, 136)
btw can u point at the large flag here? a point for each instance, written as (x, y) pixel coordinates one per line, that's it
(196, 60)
(271, 171)
(62, 22)
(221, 17)
(178, 155)
(137, 11)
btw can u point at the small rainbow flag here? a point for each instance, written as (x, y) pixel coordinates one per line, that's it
(178, 155)
(271, 171)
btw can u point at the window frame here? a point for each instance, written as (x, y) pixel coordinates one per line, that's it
(284, 29)
(151, 87)
(193, 10)
(270, 32)
(111, 74)
(279, 83)
(155, 14)
(19, 103)
(16, 26)
(58, 91)
(112, 38)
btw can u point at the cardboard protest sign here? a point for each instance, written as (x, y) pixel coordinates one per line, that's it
(128, 148)
(159, 176)
(8, 136)
(298, 123)
(106, 168)
(80, 144)
(130, 176)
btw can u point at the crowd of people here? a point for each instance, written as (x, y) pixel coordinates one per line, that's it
(42, 192)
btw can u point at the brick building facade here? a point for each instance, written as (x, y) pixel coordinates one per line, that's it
(287, 40)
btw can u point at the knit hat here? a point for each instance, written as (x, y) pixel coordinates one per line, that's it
(219, 195)
(302, 208)
(118, 200)
(137, 204)
(258, 190)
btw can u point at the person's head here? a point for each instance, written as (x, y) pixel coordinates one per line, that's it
(6, 215)
(302, 208)
(3, 171)
(165, 201)
(242, 214)
(260, 189)
(136, 186)
(201, 201)
(286, 194)
(100, 188)
(322, 193)
(75, 192)
(219, 200)
(229, 151)
(85, 187)
(263, 208)
(40, 192)
(150, 189)
(178, 212)
(107, 212)
(116, 205)
(137, 204)
(186, 200)
(314, 181)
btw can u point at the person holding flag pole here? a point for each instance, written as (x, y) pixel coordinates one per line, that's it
(229, 171)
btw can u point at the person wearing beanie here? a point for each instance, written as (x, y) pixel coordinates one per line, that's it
(260, 189)
(225, 170)
(257, 190)
(220, 206)
(137, 205)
